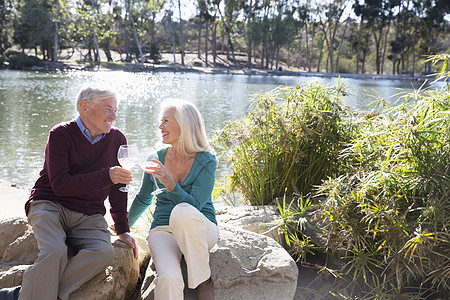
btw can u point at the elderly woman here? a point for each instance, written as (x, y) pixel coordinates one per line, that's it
(184, 221)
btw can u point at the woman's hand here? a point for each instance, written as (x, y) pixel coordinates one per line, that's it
(159, 171)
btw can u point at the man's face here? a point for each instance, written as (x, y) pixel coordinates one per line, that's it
(99, 116)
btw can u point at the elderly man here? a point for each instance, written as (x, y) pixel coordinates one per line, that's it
(66, 206)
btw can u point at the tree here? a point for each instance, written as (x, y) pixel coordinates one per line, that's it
(5, 24)
(205, 8)
(378, 15)
(347, 21)
(33, 26)
(329, 14)
(430, 27)
(229, 9)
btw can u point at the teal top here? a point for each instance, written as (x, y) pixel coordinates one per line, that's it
(196, 190)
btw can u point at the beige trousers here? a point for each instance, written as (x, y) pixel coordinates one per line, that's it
(54, 275)
(189, 234)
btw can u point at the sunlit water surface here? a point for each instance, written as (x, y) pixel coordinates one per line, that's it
(31, 103)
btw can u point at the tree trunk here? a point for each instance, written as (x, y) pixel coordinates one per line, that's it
(262, 55)
(300, 50)
(340, 43)
(358, 48)
(152, 38)
(206, 43)
(174, 46)
(249, 43)
(127, 42)
(363, 66)
(96, 48)
(307, 46)
(137, 40)
(311, 49)
(214, 44)
(199, 39)
(107, 50)
(278, 58)
(403, 44)
(377, 50)
(181, 33)
(385, 46)
(329, 45)
(56, 42)
(320, 55)
(288, 60)
(365, 50)
(227, 30)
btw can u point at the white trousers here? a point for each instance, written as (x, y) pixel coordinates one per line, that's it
(189, 234)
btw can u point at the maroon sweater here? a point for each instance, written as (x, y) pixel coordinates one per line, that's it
(76, 173)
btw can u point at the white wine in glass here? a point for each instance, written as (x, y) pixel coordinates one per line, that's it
(128, 156)
(145, 160)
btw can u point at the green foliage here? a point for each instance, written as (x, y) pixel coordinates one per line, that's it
(297, 228)
(444, 73)
(155, 53)
(289, 143)
(19, 60)
(387, 216)
(33, 26)
(371, 191)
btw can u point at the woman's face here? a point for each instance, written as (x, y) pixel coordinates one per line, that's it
(170, 130)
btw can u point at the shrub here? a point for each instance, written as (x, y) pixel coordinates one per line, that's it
(155, 53)
(19, 60)
(289, 143)
(375, 187)
(387, 216)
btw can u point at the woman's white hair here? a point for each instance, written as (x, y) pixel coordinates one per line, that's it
(192, 137)
(93, 94)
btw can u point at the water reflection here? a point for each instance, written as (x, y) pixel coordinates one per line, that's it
(31, 103)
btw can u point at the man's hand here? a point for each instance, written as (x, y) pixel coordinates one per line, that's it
(130, 241)
(120, 175)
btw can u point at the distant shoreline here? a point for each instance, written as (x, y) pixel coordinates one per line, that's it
(147, 67)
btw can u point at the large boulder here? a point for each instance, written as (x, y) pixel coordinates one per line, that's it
(18, 250)
(259, 219)
(244, 265)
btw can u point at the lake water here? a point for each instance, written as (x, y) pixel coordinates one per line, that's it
(31, 103)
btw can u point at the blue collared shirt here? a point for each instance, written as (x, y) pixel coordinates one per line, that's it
(87, 133)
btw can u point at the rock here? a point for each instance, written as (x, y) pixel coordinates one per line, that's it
(259, 219)
(118, 281)
(244, 265)
(11, 274)
(18, 243)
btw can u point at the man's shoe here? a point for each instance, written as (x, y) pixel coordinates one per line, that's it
(205, 290)
(10, 293)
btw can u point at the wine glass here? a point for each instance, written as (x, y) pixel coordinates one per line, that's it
(145, 160)
(128, 156)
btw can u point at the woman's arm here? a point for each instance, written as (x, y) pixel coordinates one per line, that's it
(142, 200)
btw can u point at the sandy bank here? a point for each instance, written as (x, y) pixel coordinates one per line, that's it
(12, 200)
(194, 63)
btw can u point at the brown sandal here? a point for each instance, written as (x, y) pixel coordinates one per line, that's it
(205, 290)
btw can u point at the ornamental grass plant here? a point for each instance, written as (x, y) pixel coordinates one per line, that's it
(387, 216)
(288, 144)
(374, 187)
